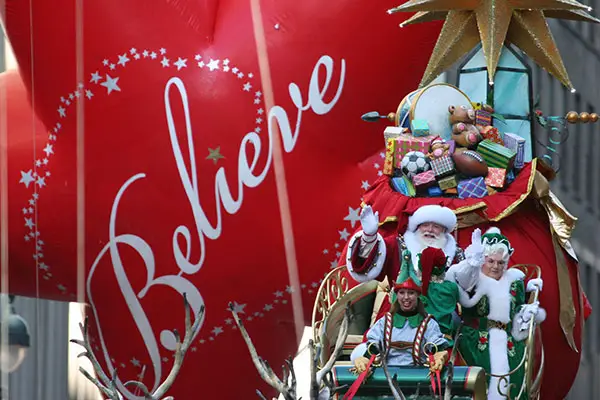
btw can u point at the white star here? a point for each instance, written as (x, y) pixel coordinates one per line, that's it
(240, 75)
(89, 94)
(258, 120)
(314, 284)
(153, 55)
(123, 59)
(111, 84)
(256, 101)
(41, 242)
(226, 61)
(268, 307)
(27, 238)
(201, 64)
(235, 70)
(145, 53)
(32, 202)
(68, 102)
(29, 223)
(71, 96)
(135, 362)
(365, 185)
(325, 251)
(95, 77)
(163, 50)
(45, 161)
(247, 87)
(382, 155)
(250, 318)
(77, 94)
(212, 338)
(289, 289)
(194, 349)
(352, 216)
(197, 57)
(25, 211)
(238, 308)
(165, 359)
(133, 50)
(228, 321)
(260, 111)
(336, 245)
(344, 234)
(112, 66)
(250, 75)
(48, 149)
(202, 341)
(62, 112)
(137, 56)
(180, 63)
(283, 301)
(165, 62)
(105, 61)
(41, 182)
(62, 99)
(278, 294)
(217, 330)
(44, 267)
(257, 129)
(213, 64)
(81, 85)
(333, 264)
(61, 287)
(338, 254)
(258, 94)
(26, 178)
(376, 165)
(379, 173)
(226, 68)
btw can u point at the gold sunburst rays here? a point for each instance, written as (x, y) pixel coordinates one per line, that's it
(492, 22)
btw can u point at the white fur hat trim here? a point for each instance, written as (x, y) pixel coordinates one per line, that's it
(432, 213)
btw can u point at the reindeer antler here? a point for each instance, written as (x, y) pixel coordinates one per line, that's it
(339, 345)
(108, 386)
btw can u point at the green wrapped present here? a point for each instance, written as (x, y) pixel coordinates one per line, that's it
(448, 182)
(496, 155)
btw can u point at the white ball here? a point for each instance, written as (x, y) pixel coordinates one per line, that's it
(413, 163)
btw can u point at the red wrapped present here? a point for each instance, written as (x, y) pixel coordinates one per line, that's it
(407, 143)
(390, 151)
(424, 180)
(493, 134)
(496, 177)
(483, 118)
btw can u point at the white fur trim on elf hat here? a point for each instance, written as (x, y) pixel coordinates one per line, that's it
(432, 213)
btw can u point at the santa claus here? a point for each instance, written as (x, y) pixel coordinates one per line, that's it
(371, 255)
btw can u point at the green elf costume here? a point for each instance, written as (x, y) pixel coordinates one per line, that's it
(495, 315)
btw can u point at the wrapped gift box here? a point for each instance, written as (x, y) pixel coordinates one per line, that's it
(496, 177)
(451, 191)
(517, 144)
(452, 147)
(419, 127)
(392, 132)
(494, 135)
(483, 118)
(407, 143)
(390, 153)
(443, 166)
(448, 182)
(495, 155)
(424, 180)
(403, 185)
(434, 191)
(474, 187)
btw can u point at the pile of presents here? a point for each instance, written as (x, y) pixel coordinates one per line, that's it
(476, 162)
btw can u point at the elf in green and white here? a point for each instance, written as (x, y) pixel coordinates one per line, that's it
(495, 315)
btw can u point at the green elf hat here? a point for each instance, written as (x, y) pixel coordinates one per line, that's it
(493, 236)
(407, 278)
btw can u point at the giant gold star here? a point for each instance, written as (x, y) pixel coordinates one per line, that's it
(492, 22)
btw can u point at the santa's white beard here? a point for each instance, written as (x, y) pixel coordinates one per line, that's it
(438, 242)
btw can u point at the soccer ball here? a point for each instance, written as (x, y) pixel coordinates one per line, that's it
(414, 163)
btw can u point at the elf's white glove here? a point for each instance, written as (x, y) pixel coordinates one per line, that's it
(535, 284)
(474, 253)
(369, 221)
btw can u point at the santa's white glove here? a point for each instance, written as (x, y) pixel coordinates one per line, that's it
(474, 253)
(535, 284)
(369, 221)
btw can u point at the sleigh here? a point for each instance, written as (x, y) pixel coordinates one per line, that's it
(365, 299)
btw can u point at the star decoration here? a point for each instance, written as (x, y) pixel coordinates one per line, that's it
(520, 22)
(95, 77)
(111, 84)
(213, 64)
(165, 62)
(239, 308)
(344, 234)
(26, 178)
(352, 216)
(214, 154)
(180, 63)
(123, 59)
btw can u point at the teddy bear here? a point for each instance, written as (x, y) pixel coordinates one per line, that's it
(464, 131)
(438, 148)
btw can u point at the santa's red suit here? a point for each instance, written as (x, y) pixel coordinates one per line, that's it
(522, 213)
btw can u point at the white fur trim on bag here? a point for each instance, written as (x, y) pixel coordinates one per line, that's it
(432, 213)
(372, 273)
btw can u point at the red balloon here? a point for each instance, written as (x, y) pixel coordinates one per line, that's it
(178, 193)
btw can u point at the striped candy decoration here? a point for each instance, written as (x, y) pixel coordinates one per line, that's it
(495, 155)
(416, 353)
